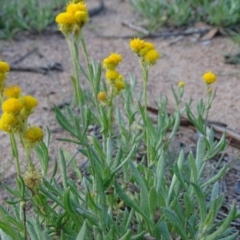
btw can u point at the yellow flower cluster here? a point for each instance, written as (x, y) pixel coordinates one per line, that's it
(209, 78)
(145, 51)
(4, 69)
(112, 61)
(113, 77)
(74, 18)
(16, 110)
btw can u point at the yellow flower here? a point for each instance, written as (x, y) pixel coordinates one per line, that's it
(77, 1)
(81, 17)
(33, 135)
(112, 75)
(136, 45)
(12, 106)
(65, 18)
(147, 47)
(209, 78)
(181, 84)
(32, 179)
(151, 57)
(112, 61)
(12, 91)
(74, 7)
(9, 123)
(119, 85)
(29, 102)
(4, 67)
(73, 19)
(102, 97)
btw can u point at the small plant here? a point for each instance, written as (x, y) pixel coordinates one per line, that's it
(131, 188)
(31, 15)
(178, 13)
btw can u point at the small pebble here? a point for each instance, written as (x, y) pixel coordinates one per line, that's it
(236, 188)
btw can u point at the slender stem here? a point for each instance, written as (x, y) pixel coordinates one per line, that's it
(74, 55)
(24, 219)
(145, 81)
(15, 153)
(207, 109)
(110, 112)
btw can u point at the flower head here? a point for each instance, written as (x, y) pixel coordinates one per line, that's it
(147, 47)
(151, 57)
(33, 136)
(209, 78)
(137, 45)
(73, 19)
(111, 76)
(75, 7)
(29, 102)
(32, 179)
(4, 67)
(112, 61)
(181, 84)
(12, 91)
(102, 97)
(9, 123)
(65, 18)
(12, 106)
(81, 17)
(119, 85)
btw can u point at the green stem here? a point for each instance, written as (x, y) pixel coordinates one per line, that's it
(207, 109)
(110, 112)
(91, 77)
(15, 153)
(74, 55)
(145, 81)
(24, 219)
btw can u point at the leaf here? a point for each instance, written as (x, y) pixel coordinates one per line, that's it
(4, 236)
(147, 122)
(138, 236)
(201, 201)
(63, 168)
(163, 229)
(128, 201)
(224, 225)
(175, 221)
(144, 190)
(126, 159)
(127, 235)
(216, 177)
(83, 231)
(12, 191)
(160, 173)
(68, 206)
(152, 201)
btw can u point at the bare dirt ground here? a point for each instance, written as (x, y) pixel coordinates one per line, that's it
(185, 60)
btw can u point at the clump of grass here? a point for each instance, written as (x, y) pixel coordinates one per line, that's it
(30, 15)
(178, 13)
(131, 188)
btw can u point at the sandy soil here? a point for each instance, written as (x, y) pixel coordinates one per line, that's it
(185, 60)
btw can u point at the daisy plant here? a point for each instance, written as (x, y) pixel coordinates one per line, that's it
(133, 184)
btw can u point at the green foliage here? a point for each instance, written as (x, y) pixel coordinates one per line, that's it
(177, 13)
(132, 187)
(31, 15)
